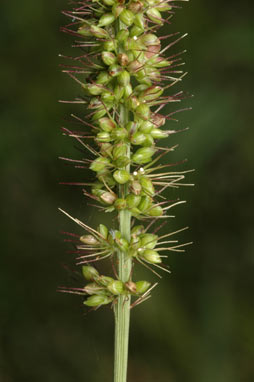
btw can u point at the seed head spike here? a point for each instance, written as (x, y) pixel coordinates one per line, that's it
(125, 73)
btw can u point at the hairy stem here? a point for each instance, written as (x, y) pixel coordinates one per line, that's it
(122, 307)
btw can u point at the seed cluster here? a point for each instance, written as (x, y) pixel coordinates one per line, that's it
(124, 72)
(102, 290)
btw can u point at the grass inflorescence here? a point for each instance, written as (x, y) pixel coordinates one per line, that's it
(126, 73)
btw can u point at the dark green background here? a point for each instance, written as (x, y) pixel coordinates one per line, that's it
(199, 324)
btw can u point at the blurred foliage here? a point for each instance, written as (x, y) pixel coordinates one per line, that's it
(198, 327)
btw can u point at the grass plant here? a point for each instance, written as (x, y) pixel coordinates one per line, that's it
(126, 73)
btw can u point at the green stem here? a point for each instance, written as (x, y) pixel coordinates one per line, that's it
(122, 306)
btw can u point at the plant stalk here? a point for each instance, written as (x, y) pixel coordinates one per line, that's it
(122, 306)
